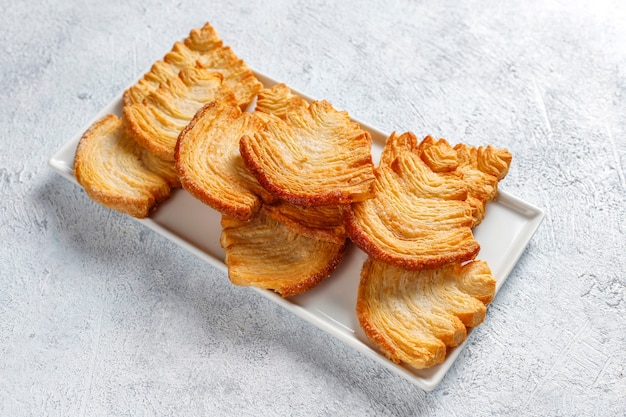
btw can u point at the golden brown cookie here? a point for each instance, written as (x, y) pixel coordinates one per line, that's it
(209, 165)
(316, 156)
(321, 222)
(413, 316)
(202, 48)
(417, 219)
(481, 167)
(265, 253)
(156, 122)
(108, 164)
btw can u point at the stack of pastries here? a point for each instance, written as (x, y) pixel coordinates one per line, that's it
(295, 183)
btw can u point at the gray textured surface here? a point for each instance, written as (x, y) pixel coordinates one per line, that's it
(99, 316)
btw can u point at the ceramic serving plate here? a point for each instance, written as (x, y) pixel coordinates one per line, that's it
(503, 235)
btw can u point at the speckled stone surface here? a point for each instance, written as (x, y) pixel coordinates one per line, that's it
(101, 316)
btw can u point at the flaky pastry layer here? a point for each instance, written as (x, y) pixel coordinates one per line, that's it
(316, 156)
(322, 222)
(482, 169)
(202, 48)
(264, 253)
(417, 219)
(279, 101)
(209, 165)
(108, 164)
(156, 122)
(414, 316)
(318, 222)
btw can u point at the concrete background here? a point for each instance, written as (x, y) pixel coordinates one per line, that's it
(100, 316)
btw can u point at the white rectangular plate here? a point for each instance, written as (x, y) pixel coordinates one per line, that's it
(503, 235)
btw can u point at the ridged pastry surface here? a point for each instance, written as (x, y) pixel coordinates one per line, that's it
(418, 218)
(482, 169)
(414, 316)
(156, 122)
(318, 222)
(279, 100)
(265, 253)
(322, 222)
(209, 165)
(108, 164)
(316, 156)
(202, 48)
(164, 168)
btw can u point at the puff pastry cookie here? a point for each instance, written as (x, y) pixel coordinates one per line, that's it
(318, 222)
(265, 253)
(109, 165)
(418, 218)
(414, 316)
(316, 156)
(482, 168)
(202, 48)
(165, 112)
(209, 165)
